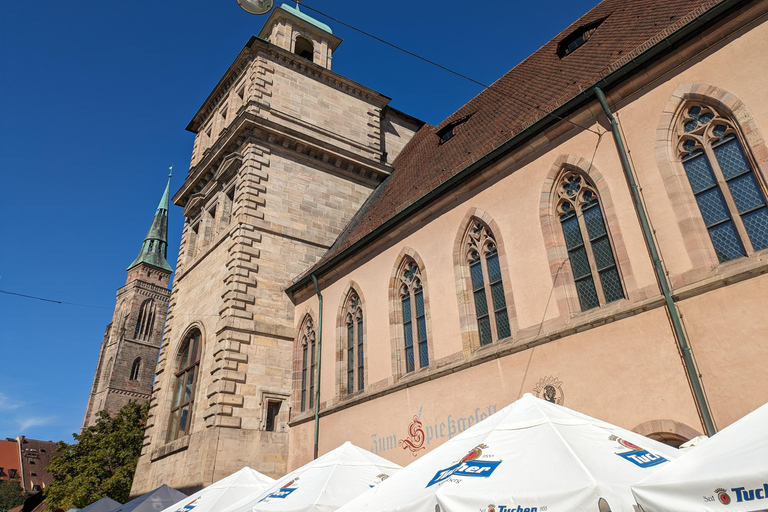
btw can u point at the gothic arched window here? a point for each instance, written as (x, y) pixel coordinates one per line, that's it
(485, 272)
(146, 320)
(308, 362)
(135, 369)
(588, 243)
(721, 174)
(414, 315)
(186, 382)
(354, 356)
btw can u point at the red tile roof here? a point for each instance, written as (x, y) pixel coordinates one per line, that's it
(520, 98)
(9, 458)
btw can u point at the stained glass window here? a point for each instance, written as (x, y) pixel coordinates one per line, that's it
(730, 196)
(590, 253)
(354, 349)
(308, 362)
(414, 315)
(186, 384)
(485, 277)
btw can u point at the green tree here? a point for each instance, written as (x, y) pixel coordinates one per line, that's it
(101, 462)
(11, 495)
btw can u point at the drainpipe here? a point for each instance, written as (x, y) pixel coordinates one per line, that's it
(317, 359)
(690, 367)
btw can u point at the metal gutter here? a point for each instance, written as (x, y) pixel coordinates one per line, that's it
(658, 266)
(667, 44)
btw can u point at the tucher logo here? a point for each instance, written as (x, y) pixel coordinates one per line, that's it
(744, 494)
(636, 455)
(189, 506)
(281, 493)
(504, 508)
(467, 466)
(722, 495)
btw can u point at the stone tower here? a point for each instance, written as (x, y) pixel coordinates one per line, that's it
(286, 151)
(126, 366)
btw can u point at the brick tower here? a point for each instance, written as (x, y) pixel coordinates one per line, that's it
(126, 366)
(286, 151)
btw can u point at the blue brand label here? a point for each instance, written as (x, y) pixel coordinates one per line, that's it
(281, 494)
(643, 458)
(467, 468)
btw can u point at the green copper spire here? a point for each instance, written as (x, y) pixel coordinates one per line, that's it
(155, 247)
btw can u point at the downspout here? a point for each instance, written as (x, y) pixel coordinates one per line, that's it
(317, 359)
(690, 367)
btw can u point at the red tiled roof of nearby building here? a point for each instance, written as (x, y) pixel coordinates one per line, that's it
(9, 458)
(539, 84)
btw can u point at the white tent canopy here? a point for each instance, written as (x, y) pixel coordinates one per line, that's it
(728, 472)
(153, 501)
(105, 504)
(224, 493)
(531, 456)
(322, 485)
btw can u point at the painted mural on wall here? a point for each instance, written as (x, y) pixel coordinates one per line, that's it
(550, 389)
(423, 431)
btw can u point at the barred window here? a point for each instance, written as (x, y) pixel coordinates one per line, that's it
(485, 272)
(146, 320)
(185, 387)
(730, 195)
(587, 240)
(135, 369)
(308, 362)
(355, 357)
(414, 315)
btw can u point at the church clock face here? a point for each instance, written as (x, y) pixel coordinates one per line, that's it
(256, 6)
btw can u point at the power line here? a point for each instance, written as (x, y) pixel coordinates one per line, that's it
(52, 300)
(465, 77)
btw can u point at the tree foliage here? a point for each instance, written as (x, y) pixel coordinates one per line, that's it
(11, 495)
(101, 462)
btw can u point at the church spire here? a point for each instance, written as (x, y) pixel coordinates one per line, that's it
(155, 247)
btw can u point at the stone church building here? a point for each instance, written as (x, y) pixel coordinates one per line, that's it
(592, 228)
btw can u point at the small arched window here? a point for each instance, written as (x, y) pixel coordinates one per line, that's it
(186, 383)
(308, 362)
(107, 372)
(588, 243)
(485, 272)
(730, 196)
(146, 321)
(414, 315)
(354, 356)
(135, 369)
(304, 48)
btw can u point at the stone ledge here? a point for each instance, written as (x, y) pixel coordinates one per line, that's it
(170, 448)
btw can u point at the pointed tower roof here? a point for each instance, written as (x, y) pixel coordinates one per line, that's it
(154, 250)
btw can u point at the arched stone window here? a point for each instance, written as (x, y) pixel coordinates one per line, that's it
(414, 315)
(304, 48)
(146, 321)
(135, 369)
(587, 241)
(482, 256)
(187, 372)
(353, 345)
(307, 339)
(729, 194)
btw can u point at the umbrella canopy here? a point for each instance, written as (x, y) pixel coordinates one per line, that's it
(728, 472)
(105, 504)
(531, 456)
(153, 501)
(224, 493)
(322, 485)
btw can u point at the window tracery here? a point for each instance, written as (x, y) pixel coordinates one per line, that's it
(135, 369)
(590, 253)
(355, 357)
(146, 321)
(485, 272)
(308, 363)
(729, 194)
(414, 315)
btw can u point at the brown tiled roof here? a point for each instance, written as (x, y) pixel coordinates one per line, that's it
(539, 84)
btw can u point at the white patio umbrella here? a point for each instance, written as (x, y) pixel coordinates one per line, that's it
(225, 492)
(153, 501)
(322, 485)
(105, 504)
(531, 456)
(728, 472)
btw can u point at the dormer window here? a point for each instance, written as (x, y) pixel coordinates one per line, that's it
(447, 132)
(577, 38)
(304, 48)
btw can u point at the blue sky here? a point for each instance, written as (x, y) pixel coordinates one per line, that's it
(95, 98)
